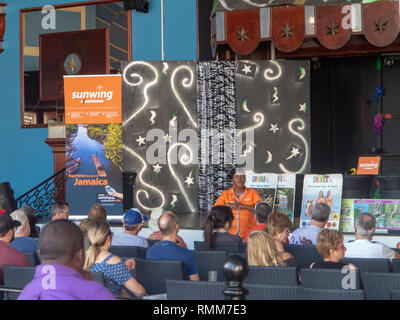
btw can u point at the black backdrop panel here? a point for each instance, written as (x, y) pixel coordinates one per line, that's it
(159, 102)
(274, 99)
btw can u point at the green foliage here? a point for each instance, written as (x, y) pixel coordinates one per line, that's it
(97, 132)
(71, 129)
(113, 144)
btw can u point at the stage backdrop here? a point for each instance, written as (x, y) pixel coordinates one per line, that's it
(186, 124)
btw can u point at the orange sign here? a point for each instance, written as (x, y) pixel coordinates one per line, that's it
(93, 99)
(368, 165)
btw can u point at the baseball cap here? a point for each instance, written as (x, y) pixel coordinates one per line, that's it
(133, 216)
(7, 223)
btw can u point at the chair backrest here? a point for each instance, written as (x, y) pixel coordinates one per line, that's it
(228, 246)
(194, 290)
(395, 294)
(152, 241)
(271, 292)
(272, 275)
(331, 294)
(210, 261)
(152, 274)
(304, 255)
(31, 258)
(129, 251)
(369, 264)
(330, 279)
(396, 265)
(17, 278)
(98, 277)
(377, 285)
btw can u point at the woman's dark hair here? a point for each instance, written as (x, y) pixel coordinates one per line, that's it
(216, 219)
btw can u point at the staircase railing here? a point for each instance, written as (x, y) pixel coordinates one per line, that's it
(44, 194)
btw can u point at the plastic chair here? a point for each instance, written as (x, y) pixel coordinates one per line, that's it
(228, 246)
(396, 265)
(331, 294)
(31, 258)
(395, 294)
(272, 275)
(152, 242)
(369, 264)
(210, 261)
(271, 292)
(194, 290)
(129, 251)
(17, 278)
(98, 277)
(330, 279)
(304, 255)
(377, 285)
(151, 274)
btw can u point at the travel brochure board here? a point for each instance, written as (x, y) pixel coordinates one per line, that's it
(347, 216)
(285, 194)
(322, 189)
(265, 184)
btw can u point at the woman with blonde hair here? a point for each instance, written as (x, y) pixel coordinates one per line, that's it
(99, 259)
(262, 251)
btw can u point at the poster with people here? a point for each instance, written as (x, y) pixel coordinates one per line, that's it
(265, 184)
(385, 212)
(285, 194)
(325, 189)
(347, 216)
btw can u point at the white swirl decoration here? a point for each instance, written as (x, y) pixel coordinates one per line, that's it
(144, 183)
(300, 128)
(185, 162)
(269, 72)
(259, 5)
(186, 83)
(258, 118)
(128, 73)
(226, 7)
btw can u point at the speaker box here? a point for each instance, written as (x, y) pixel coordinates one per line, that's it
(128, 179)
(138, 5)
(7, 200)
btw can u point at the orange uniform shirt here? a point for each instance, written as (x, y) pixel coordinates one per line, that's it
(247, 218)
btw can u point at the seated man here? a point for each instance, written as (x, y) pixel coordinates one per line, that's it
(308, 235)
(132, 222)
(9, 255)
(22, 242)
(167, 249)
(262, 211)
(61, 275)
(363, 246)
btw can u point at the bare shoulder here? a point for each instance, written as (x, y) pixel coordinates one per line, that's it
(114, 260)
(285, 255)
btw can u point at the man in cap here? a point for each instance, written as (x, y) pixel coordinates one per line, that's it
(132, 222)
(9, 255)
(242, 201)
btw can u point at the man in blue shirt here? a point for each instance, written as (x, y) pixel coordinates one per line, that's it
(308, 235)
(167, 249)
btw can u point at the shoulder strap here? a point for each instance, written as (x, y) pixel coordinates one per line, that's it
(108, 258)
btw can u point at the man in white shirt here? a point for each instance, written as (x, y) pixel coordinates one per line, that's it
(132, 222)
(363, 247)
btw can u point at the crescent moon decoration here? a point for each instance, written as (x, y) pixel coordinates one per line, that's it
(139, 82)
(269, 160)
(186, 83)
(174, 174)
(144, 183)
(300, 128)
(153, 115)
(258, 118)
(174, 200)
(269, 71)
(244, 106)
(303, 73)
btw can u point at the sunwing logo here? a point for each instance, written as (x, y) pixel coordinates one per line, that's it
(97, 96)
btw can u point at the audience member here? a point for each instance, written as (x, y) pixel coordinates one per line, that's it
(278, 225)
(59, 210)
(308, 235)
(99, 259)
(363, 246)
(22, 242)
(262, 211)
(132, 222)
(330, 247)
(262, 251)
(33, 219)
(84, 226)
(216, 226)
(97, 212)
(9, 255)
(60, 276)
(153, 226)
(167, 249)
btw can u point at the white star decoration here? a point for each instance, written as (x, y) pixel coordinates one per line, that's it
(141, 140)
(157, 168)
(294, 153)
(167, 138)
(274, 127)
(303, 107)
(246, 69)
(189, 179)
